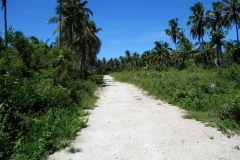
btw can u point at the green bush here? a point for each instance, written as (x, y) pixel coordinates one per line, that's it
(232, 110)
(97, 78)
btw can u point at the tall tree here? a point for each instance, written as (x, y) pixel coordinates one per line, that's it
(60, 23)
(146, 59)
(57, 19)
(214, 21)
(4, 7)
(73, 16)
(161, 52)
(135, 59)
(89, 42)
(231, 10)
(187, 49)
(173, 31)
(128, 56)
(198, 23)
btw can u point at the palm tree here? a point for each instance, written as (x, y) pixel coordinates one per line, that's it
(73, 15)
(60, 23)
(214, 20)
(34, 40)
(187, 49)
(73, 18)
(146, 59)
(217, 38)
(89, 42)
(181, 37)
(160, 52)
(4, 7)
(231, 10)
(122, 61)
(77, 30)
(167, 51)
(173, 32)
(214, 17)
(135, 59)
(128, 56)
(85, 41)
(197, 22)
(57, 19)
(229, 47)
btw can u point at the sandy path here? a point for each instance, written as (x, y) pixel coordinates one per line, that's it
(127, 124)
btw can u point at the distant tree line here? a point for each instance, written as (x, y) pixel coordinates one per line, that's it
(218, 52)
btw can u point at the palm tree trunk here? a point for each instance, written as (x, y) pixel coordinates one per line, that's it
(5, 16)
(4, 6)
(238, 54)
(71, 36)
(83, 58)
(205, 51)
(60, 25)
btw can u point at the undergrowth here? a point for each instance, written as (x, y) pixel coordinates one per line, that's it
(43, 97)
(211, 96)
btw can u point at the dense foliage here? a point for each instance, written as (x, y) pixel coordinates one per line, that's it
(42, 96)
(77, 31)
(44, 89)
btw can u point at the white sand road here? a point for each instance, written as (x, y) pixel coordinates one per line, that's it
(129, 125)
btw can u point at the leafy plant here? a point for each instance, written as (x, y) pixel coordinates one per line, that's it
(42, 98)
(74, 150)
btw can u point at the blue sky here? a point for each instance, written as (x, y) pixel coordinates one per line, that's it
(132, 25)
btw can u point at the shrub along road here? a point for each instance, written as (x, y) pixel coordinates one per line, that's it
(128, 124)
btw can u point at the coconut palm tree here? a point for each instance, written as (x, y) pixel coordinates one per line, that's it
(73, 18)
(231, 10)
(229, 47)
(4, 7)
(128, 56)
(173, 31)
(167, 51)
(198, 23)
(135, 59)
(160, 52)
(88, 41)
(60, 23)
(57, 19)
(73, 15)
(146, 59)
(181, 37)
(214, 17)
(215, 20)
(187, 50)
(77, 31)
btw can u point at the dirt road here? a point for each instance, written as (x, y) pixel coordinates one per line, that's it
(129, 125)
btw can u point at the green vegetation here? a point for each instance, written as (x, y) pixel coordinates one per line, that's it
(237, 147)
(45, 89)
(74, 150)
(43, 95)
